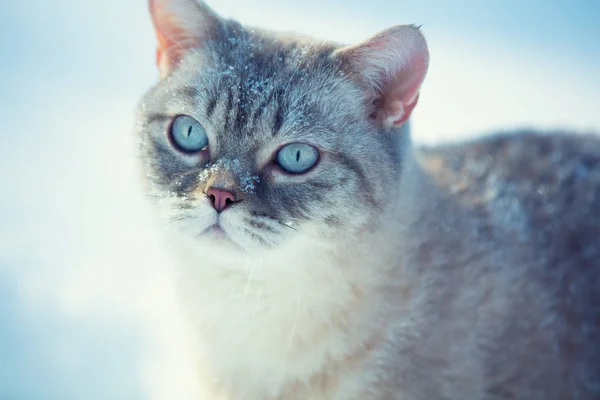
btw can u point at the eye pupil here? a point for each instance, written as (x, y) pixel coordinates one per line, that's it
(189, 132)
(297, 158)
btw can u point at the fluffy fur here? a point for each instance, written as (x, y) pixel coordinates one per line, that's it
(386, 272)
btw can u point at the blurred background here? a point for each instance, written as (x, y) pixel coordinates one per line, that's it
(87, 309)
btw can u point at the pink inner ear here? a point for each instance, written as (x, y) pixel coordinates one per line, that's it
(391, 67)
(401, 93)
(169, 51)
(179, 25)
(397, 113)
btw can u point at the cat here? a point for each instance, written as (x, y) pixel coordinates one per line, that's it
(323, 255)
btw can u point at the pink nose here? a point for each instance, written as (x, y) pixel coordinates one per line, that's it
(220, 199)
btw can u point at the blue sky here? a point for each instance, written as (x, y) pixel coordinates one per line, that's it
(87, 308)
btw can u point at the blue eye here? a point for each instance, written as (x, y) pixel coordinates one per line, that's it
(188, 135)
(297, 158)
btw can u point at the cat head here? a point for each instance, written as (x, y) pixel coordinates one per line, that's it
(253, 140)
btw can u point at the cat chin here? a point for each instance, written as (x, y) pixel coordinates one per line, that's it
(217, 237)
(219, 240)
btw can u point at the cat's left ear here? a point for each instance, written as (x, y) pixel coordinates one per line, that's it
(390, 67)
(180, 25)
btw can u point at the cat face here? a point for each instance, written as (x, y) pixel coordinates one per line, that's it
(253, 140)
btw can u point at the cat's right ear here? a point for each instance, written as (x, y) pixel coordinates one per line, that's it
(180, 25)
(390, 67)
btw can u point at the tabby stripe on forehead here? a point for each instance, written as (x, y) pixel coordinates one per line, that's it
(228, 110)
(261, 108)
(279, 112)
(278, 119)
(188, 91)
(240, 117)
(211, 105)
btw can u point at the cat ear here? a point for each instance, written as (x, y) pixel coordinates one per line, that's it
(180, 25)
(390, 67)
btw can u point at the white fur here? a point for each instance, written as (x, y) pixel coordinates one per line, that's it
(263, 320)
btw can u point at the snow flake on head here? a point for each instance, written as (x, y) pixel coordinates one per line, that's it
(248, 181)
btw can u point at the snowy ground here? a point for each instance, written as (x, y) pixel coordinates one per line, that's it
(86, 301)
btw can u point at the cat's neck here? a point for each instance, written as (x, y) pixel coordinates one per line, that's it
(292, 314)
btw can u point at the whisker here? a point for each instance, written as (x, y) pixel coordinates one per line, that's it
(249, 278)
(288, 226)
(256, 236)
(179, 218)
(295, 324)
(258, 294)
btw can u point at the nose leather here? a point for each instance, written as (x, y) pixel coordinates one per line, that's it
(221, 199)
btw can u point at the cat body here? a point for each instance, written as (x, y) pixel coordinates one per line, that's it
(362, 267)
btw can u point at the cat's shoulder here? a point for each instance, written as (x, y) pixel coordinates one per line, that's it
(533, 162)
(548, 181)
(531, 202)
